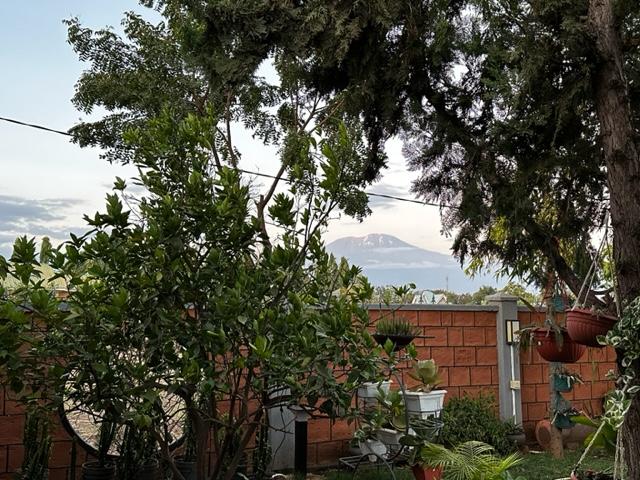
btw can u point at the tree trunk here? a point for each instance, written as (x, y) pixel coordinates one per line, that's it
(623, 175)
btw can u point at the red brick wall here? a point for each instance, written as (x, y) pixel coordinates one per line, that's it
(463, 345)
(11, 449)
(593, 367)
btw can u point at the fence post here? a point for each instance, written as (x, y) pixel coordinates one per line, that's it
(508, 357)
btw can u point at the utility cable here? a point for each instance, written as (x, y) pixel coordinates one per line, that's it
(248, 172)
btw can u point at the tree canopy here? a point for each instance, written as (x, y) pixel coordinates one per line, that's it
(521, 116)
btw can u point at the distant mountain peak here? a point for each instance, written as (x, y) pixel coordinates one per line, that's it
(387, 260)
(372, 240)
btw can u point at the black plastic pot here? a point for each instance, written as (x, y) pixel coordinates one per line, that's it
(95, 471)
(187, 469)
(399, 341)
(149, 471)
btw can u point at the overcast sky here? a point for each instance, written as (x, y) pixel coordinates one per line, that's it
(47, 183)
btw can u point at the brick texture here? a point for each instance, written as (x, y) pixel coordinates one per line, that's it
(535, 379)
(463, 343)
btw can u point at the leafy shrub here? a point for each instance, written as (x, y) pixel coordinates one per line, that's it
(474, 419)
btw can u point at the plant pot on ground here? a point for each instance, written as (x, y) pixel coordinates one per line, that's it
(426, 473)
(103, 468)
(515, 434)
(425, 402)
(98, 471)
(556, 345)
(585, 326)
(469, 461)
(186, 462)
(138, 452)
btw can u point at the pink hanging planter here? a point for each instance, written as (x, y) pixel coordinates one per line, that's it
(584, 326)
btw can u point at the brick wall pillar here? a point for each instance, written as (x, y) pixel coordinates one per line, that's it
(508, 359)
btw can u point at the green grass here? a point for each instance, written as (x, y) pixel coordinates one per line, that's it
(541, 466)
(535, 466)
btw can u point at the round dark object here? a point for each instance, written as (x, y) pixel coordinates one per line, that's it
(568, 352)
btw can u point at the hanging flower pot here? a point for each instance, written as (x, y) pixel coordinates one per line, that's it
(584, 326)
(552, 350)
(399, 341)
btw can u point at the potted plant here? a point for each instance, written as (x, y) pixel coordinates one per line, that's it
(103, 468)
(186, 463)
(394, 425)
(515, 434)
(369, 392)
(552, 343)
(398, 331)
(425, 402)
(468, 461)
(367, 437)
(37, 446)
(422, 433)
(138, 455)
(586, 325)
(564, 380)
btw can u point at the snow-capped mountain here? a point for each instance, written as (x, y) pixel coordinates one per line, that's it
(387, 260)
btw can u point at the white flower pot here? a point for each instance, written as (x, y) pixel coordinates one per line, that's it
(425, 405)
(389, 436)
(373, 448)
(368, 392)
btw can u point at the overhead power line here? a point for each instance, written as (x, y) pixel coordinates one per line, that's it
(248, 172)
(32, 125)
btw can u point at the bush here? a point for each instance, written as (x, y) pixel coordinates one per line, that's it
(466, 419)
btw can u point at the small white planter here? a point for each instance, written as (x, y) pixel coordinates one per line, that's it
(373, 448)
(425, 405)
(389, 436)
(368, 392)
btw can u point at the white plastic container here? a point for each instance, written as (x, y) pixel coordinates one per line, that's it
(389, 436)
(425, 404)
(368, 392)
(373, 448)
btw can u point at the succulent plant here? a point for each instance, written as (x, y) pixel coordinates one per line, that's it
(426, 372)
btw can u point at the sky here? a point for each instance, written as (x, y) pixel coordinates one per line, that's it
(47, 183)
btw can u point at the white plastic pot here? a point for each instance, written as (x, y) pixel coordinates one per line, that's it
(389, 436)
(368, 392)
(425, 404)
(373, 448)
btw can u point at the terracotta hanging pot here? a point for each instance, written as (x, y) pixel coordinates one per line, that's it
(584, 326)
(549, 349)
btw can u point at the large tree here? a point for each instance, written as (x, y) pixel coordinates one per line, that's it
(521, 116)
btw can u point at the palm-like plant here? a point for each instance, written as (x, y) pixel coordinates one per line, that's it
(468, 461)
